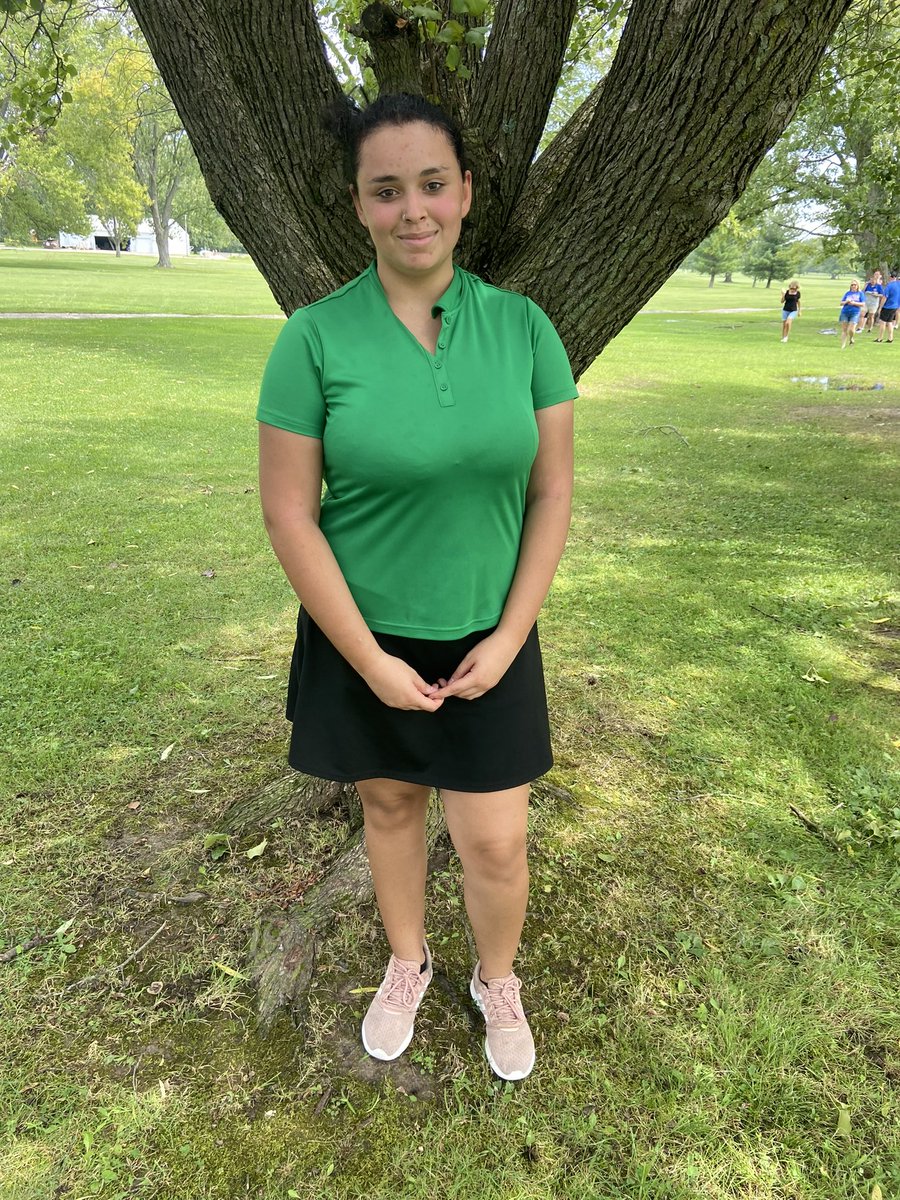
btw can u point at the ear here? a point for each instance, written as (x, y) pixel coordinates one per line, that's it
(467, 193)
(354, 196)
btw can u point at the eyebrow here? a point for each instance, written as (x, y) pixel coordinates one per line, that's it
(396, 178)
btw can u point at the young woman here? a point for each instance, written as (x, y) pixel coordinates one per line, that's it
(874, 294)
(852, 303)
(790, 307)
(438, 411)
(887, 318)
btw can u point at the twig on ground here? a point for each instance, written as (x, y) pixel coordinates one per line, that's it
(765, 614)
(665, 429)
(39, 939)
(811, 825)
(105, 975)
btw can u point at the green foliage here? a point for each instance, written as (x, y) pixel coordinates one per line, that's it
(721, 251)
(768, 254)
(868, 809)
(42, 194)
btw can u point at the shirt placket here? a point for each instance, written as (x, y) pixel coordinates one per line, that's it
(439, 373)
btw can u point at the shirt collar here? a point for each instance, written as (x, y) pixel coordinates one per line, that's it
(448, 302)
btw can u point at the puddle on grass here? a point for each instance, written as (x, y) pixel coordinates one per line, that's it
(838, 383)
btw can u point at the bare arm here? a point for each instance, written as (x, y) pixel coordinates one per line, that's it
(290, 489)
(548, 511)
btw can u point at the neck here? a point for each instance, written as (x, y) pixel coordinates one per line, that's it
(418, 291)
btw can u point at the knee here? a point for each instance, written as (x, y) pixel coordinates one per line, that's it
(498, 860)
(392, 806)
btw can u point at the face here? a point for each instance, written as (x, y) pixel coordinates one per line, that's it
(411, 196)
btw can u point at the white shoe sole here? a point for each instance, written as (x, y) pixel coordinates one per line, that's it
(487, 1050)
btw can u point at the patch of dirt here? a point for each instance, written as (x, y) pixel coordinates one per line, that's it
(877, 1053)
(852, 418)
(351, 1059)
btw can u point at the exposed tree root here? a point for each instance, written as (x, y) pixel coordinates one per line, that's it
(287, 796)
(283, 948)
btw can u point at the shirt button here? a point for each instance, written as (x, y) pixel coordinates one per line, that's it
(441, 345)
(448, 319)
(443, 387)
(438, 365)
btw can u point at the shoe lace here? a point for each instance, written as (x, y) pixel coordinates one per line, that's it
(505, 1005)
(401, 985)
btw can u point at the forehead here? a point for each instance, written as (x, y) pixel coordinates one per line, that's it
(404, 150)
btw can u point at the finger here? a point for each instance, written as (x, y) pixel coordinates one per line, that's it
(454, 688)
(425, 688)
(463, 669)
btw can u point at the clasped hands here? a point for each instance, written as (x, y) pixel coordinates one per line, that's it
(398, 685)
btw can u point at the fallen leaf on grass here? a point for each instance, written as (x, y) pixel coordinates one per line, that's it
(210, 574)
(843, 1125)
(813, 676)
(155, 988)
(168, 750)
(134, 805)
(256, 851)
(359, 991)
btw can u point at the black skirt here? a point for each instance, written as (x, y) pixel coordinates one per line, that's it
(343, 732)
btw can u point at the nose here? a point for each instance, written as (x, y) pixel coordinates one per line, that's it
(414, 208)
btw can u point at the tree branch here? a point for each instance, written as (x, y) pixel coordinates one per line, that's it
(512, 95)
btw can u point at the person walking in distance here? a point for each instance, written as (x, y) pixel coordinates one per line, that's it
(874, 294)
(888, 315)
(790, 308)
(852, 302)
(438, 410)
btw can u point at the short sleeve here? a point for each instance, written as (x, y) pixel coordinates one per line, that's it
(291, 395)
(552, 381)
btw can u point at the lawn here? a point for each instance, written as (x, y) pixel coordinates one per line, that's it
(713, 941)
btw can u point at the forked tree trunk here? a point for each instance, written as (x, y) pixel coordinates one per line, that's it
(626, 190)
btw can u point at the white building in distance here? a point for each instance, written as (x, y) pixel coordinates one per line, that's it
(143, 242)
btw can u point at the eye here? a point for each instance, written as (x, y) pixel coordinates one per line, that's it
(436, 184)
(387, 194)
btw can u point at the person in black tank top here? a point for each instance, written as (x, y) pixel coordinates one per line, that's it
(790, 308)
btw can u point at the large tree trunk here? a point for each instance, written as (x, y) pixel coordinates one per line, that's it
(626, 190)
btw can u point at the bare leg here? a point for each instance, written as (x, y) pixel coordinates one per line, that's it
(845, 325)
(395, 840)
(880, 337)
(488, 830)
(785, 330)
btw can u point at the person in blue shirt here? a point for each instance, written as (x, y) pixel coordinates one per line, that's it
(874, 294)
(888, 315)
(852, 302)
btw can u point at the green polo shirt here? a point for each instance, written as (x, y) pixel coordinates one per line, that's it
(426, 457)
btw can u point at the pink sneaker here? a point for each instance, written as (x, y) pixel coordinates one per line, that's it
(387, 1027)
(508, 1044)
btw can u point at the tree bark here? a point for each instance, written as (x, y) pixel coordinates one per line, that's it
(627, 189)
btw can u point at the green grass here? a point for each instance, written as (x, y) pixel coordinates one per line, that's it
(712, 984)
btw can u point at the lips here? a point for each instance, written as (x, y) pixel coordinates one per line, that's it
(419, 237)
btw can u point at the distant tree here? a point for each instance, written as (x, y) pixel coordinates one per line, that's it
(95, 132)
(842, 150)
(720, 252)
(767, 254)
(41, 194)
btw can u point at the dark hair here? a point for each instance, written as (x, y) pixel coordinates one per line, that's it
(350, 125)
